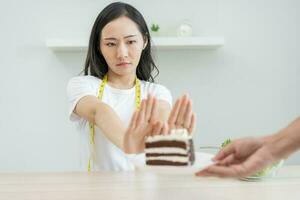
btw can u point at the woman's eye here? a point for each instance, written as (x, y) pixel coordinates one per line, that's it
(110, 44)
(131, 41)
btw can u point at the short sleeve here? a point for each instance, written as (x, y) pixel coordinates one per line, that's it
(77, 88)
(163, 93)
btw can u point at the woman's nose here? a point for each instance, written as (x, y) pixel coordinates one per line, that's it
(122, 51)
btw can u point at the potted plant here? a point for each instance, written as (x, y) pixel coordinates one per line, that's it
(154, 29)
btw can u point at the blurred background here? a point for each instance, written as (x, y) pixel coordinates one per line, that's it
(248, 87)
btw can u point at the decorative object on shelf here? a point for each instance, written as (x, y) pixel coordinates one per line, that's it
(154, 29)
(185, 29)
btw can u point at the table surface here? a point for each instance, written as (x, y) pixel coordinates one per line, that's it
(145, 185)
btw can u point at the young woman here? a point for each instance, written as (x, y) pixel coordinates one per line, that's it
(118, 76)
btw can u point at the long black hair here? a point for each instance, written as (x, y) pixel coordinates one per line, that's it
(95, 63)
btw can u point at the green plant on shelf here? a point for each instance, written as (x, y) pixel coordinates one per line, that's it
(155, 27)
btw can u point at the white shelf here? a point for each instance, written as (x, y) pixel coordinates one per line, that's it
(164, 43)
(188, 42)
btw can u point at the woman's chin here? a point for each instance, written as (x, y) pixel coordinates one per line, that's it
(124, 71)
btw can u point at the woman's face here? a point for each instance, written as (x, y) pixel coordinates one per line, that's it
(121, 45)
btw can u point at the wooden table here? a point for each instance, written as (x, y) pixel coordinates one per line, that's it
(142, 185)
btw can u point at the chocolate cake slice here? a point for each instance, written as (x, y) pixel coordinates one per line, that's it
(175, 149)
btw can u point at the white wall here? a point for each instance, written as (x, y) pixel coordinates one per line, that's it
(251, 86)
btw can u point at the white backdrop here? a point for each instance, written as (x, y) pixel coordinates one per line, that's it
(251, 86)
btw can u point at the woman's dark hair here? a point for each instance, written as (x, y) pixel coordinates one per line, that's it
(95, 63)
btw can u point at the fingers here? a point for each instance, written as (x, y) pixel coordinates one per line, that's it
(230, 159)
(191, 128)
(160, 128)
(183, 107)
(235, 170)
(219, 171)
(151, 109)
(154, 111)
(133, 120)
(157, 128)
(187, 115)
(229, 149)
(165, 129)
(205, 172)
(240, 169)
(181, 115)
(174, 113)
(141, 112)
(149, 104)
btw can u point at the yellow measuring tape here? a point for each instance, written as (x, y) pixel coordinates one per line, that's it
(100, 94)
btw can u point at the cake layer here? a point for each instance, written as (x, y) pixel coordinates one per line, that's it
(170, 158)
(177, 134)
(165, 162)
(163, 143)
(165, 154)
(166, 150)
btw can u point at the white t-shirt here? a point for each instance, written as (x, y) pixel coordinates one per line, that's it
(108, 156)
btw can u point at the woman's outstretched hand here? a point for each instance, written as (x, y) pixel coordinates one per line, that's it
(182, 115)
(144, 122)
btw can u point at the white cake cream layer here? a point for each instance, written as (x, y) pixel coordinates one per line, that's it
(166, 150)
(169, 158)
(176, 134)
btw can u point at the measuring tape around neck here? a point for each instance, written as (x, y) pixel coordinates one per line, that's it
(100, 94)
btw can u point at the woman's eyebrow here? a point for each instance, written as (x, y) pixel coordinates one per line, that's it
(128, 36)
(113, 38)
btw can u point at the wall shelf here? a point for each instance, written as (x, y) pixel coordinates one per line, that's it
(161, 43)
(188, 42)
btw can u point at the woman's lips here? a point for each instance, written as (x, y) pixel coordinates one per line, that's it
(123, 64)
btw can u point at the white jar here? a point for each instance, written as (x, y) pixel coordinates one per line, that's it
(184, 29)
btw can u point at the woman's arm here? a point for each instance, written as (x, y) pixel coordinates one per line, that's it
(131, 139)
(103, 116)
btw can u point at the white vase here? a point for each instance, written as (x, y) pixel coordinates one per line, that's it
(184, 29)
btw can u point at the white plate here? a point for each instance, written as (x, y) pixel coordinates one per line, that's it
(202, 160)
(271, 173)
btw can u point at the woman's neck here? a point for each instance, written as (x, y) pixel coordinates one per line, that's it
(121, 82)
